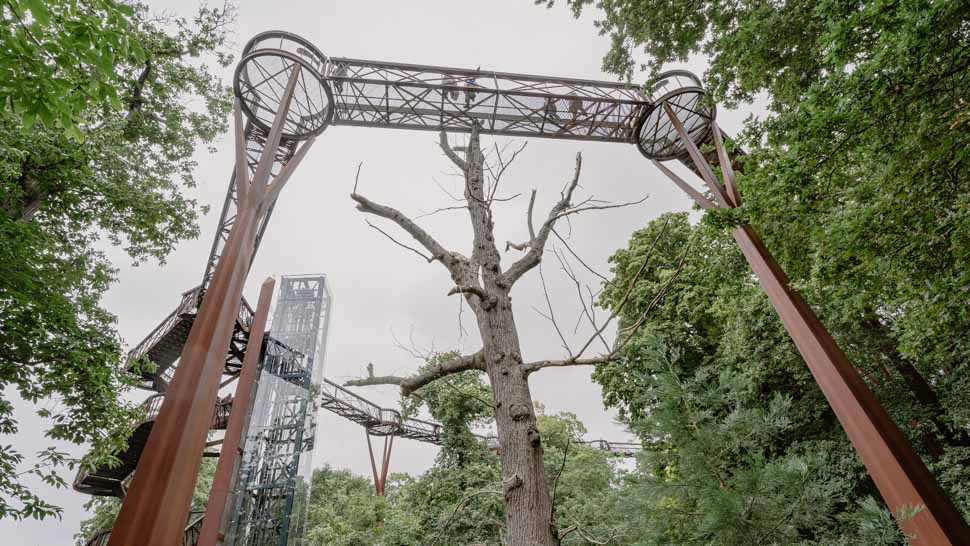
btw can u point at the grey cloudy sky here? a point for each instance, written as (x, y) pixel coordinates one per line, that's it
(380, 288)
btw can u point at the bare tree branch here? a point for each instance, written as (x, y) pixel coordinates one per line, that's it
(587, 311)
(538, 243)
(454, 262)
(532, 203)
(399, 243)
(627, 332)
(487, 301)
(503, 165)
(580, 260)
(581, 208)
(432, 372)
(375, 380)
(450, 152)
(540, 364)
(552, 315)
(532, 232)
(441, 209)
(452, 196)
(629, 290)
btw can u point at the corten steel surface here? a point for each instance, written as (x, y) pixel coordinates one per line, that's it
(380, 476)
(897, 470)
(227, 466)
(161, 491)
(189, 535)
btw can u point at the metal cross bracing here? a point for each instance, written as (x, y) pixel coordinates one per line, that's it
(273, 472)
(163, 345)
(286, 83)
(433, 98)
(190, 536)
(112, 480)
(346, 91)
(378, 421)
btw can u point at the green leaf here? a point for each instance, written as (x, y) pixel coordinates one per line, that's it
(38, 9)
(126, 9)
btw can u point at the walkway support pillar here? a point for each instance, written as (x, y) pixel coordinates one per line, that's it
(226, 468)
(897, 470)
(157, 505)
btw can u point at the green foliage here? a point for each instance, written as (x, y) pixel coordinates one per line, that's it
(459, 499)
(459, 402)
(858, 180)
(740, 445)
(109, 162)
(343, 510)
(75, 48)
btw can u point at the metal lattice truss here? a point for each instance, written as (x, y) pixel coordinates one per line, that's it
(255, 142)
(164, 344)
(407, 96)
(380, 421)
(376, 420)
(345, 91)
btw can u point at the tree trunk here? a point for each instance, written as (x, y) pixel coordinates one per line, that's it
(479, 279)
(920, 389)
(528, 508)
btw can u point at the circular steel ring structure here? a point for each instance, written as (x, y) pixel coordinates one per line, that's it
(656, 136)
(269, 60)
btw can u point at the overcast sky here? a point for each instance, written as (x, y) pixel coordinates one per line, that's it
(380, 289)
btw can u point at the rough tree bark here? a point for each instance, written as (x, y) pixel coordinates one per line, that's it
(480, 280)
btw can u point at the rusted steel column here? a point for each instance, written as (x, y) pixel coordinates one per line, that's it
(223, 481)
(157, 505)
(897, 470)
(899, 473)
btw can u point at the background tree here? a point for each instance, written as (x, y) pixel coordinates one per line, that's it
(857, 178)
(96, 144)
(740, 446)
(486, 288)
(459, 499)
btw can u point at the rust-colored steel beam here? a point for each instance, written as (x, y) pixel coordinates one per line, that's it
(380, 475)
(897, 470)
(223, 481)
(895, 467)
(157, 505)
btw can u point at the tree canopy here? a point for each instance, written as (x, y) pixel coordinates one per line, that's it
(857, 178)
(96, 143)
(459, 499)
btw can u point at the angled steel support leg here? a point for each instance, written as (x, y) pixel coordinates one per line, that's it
(897, 470)
(158, 503)
(229, 455)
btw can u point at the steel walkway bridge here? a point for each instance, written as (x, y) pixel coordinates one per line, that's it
(378, 421)
(353, 92)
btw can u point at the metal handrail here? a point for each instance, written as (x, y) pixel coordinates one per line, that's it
(189, 538)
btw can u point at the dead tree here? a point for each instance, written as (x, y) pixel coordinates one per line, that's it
(486, 288)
